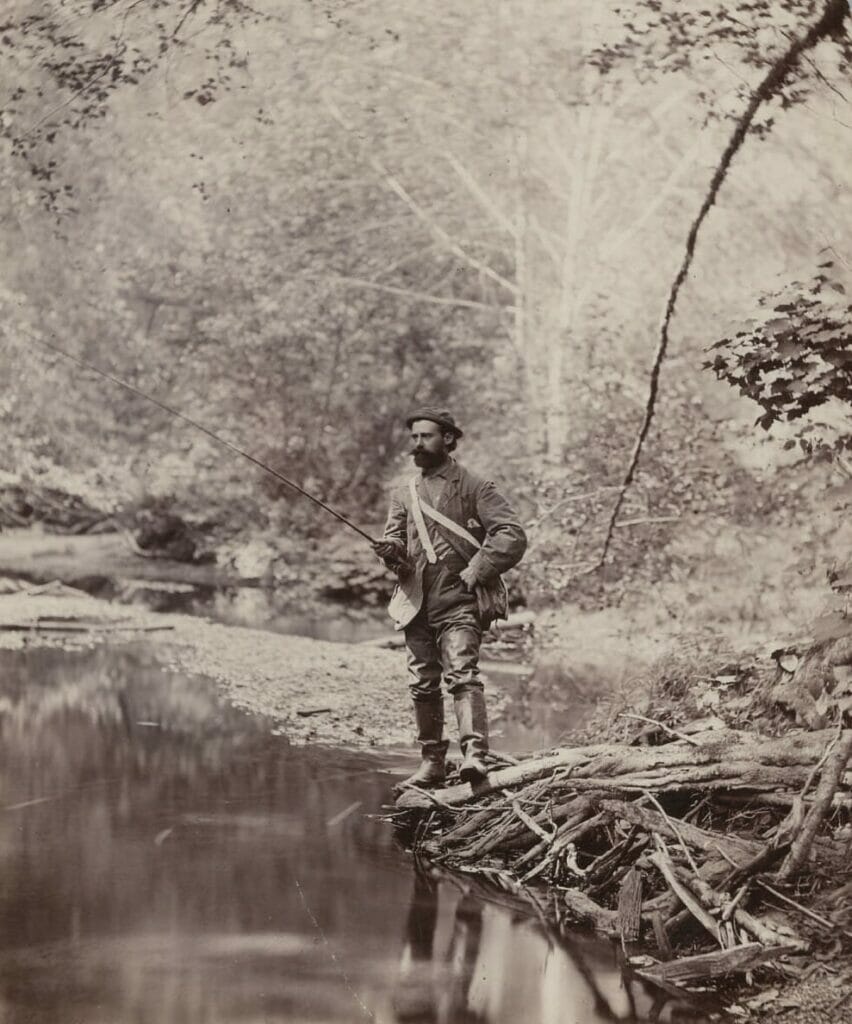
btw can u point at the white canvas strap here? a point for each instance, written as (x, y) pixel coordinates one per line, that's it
(418, 508)
(420, 523)
(449, 524)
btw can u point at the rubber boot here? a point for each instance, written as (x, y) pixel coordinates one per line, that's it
(473, 734)
(429, 717)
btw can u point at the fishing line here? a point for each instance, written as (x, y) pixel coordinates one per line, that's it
(204, 430)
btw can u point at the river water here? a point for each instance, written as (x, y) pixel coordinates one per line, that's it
(165, 860)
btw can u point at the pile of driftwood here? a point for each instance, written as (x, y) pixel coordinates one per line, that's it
(705, 855)
(54, 509)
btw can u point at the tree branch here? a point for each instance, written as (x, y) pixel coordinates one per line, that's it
(191, 8)
(833, 16)
(482, 197)
(422, 296)
(831, 776)
(422, 215)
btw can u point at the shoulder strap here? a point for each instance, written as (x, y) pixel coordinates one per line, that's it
(420, 523)
(448, 524)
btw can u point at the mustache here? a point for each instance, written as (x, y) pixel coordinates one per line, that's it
(426, 458)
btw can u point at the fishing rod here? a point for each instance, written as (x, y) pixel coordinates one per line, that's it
(205, 430)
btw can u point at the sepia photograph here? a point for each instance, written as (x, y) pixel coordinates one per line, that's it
(425, 511)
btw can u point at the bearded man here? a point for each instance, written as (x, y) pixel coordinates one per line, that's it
(449, 536)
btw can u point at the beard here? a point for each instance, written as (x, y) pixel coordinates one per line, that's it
(428, 460)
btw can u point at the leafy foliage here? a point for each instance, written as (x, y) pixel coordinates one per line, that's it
(794, 356)
(283, 275)
(70, 59)
(666, 36)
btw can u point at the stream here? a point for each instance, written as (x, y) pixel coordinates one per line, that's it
(165, 859)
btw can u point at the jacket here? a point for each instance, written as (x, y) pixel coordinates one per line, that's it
(475, 504)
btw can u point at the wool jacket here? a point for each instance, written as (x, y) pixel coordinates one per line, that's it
(475, 504)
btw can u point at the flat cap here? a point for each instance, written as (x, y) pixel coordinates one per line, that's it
(440, 416)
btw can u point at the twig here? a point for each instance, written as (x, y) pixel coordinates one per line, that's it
(568, 500)
(408, 293)
(531, 825)
(725, 856)
(646, 520)
(731, 906)
(431, 796)
(824, 921)
(422, 215)
(672, 826)
(662, 725)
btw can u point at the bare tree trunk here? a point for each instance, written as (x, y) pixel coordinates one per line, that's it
(516, 18)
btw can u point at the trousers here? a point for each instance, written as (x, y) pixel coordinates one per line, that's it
(445, 643)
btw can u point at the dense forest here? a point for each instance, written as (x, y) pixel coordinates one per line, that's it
(294, 222)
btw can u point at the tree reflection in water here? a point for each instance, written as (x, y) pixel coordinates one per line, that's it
(496, 965)
(165, 860)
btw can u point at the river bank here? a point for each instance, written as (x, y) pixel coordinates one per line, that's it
(314, 691)
(166, 858)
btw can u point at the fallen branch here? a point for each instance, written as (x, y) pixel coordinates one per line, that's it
(713, 965)
(609, 826)
(701, 839)
(718, 759)
(818, 918)
(661, 725)
(630, 908)
(825, 791)
(764, 931)
(662, 861)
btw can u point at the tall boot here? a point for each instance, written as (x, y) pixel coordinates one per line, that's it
(429, 717)
(473, 734)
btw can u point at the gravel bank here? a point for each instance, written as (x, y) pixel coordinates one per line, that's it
(315, 691)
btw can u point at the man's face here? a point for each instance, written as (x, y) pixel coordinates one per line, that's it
(428, 444)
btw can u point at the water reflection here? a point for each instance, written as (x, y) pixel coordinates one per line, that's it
(164, 859)
(275, 609)
(468, 961)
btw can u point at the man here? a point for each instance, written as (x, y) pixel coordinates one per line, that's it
(449, 536)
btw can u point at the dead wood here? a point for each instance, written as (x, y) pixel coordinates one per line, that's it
(768, 856)
(652, 821)
(661, 936)
(602, 867)
(763, 931)
(603, 829)
(720, 759)
(662, 861)
(630, 907)
(829, 781)
(581, 809)
(584, 910)
(818, 918)
(713, 965)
